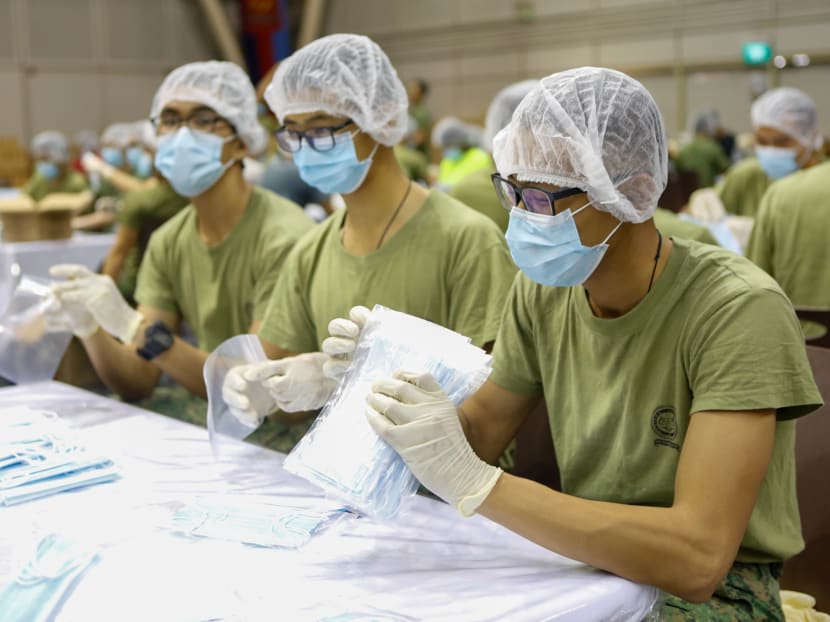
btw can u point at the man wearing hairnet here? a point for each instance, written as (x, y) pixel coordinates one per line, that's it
(460, 149)
(790, 236)
(213, 265)
(672, 371)
(343, 108)
(476, 188)
(787, 139)
(703, 155)
(53, 172)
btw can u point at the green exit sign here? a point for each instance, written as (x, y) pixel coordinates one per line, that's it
(757, 52)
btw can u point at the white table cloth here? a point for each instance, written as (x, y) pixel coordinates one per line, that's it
(430, 564)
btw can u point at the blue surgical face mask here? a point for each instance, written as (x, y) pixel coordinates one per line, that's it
(453, 153)
(133, 154)
(548, 248)
(143, 166)
(777, 162)
(49, 170)
(112, 156)
(335, 170)
(191, 160)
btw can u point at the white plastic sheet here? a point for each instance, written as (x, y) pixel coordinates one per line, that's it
(341, 453)
(31, 344)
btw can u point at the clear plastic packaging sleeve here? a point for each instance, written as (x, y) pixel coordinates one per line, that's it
(341, 453)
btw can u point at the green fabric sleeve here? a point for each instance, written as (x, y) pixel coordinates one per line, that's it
(760, 247)
(749, 354)
(515, 358)
(478, 290)
(154, 288)
(288, 322)
(130, 213)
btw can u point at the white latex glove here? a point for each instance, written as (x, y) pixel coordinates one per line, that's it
(340, 346)
(292, 384)
(94, 164)
(99, 295)
(412, 413)
(69, 316)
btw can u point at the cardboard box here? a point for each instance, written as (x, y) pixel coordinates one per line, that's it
(50, 219)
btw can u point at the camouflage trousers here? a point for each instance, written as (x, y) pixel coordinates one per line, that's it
(177, 402)
(750, 592)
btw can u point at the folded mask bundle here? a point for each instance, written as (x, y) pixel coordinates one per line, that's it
(40, 456)
(341, 453)
(265, 524)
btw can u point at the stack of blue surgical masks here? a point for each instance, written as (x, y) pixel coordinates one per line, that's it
(341, 453)
(260, 524)
(42, 583)
(40, 456)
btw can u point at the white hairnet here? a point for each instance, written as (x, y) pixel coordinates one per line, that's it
(86, 140)
(790, 111)
(706, 122)
(343, 75)
(118, 135)
(502, 108)
(590, 128)
(222, 86)
(51, 145)
(452, 132)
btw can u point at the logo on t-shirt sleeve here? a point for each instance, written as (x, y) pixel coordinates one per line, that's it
(664, 424)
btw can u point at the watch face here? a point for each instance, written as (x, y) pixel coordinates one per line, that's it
(163, 338)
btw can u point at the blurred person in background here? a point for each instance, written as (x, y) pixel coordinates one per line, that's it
(703, 155)
(476, 188)
(417, 91)
(787, 138)
(53, 170)
(461, 152)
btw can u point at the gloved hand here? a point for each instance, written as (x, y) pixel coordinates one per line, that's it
(413, 414)
(292, 384)
(340, 346)
(71, 316)
(94, 164)
(99, 295)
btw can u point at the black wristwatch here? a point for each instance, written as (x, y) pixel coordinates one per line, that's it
(157, 340)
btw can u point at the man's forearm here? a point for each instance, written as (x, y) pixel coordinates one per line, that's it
(664, 547)
(185, 364)
(118, 365)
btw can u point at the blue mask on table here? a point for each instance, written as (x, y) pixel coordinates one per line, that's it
(335, 170)
(112, 156)
(777, 162)
(41, 585)
(191, 160)
(48, 170)
(548, 248)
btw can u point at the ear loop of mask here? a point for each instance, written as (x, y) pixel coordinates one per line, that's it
(613, 231)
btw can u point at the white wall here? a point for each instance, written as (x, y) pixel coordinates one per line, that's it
(73, 64)
(687, 52)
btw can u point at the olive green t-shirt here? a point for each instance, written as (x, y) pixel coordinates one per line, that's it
(221, 289)
(476, 190)
(158, 203)
(447, 264)
(791, 237)
(38, 186)
(742, 187)
(715, 333)
(672, 226)
(705, 157)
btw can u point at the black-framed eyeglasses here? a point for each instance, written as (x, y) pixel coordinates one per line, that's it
(318, 138)
(201, 120)
(536, 200)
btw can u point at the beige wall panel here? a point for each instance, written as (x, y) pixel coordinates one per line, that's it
(543, 62)
(11, 104)
(804, 37)
(718, 46)
(728, 91)
(128, 97)
(815, 81)
(65, 101)
(135, 30)
(636, 52)
(60, 29)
